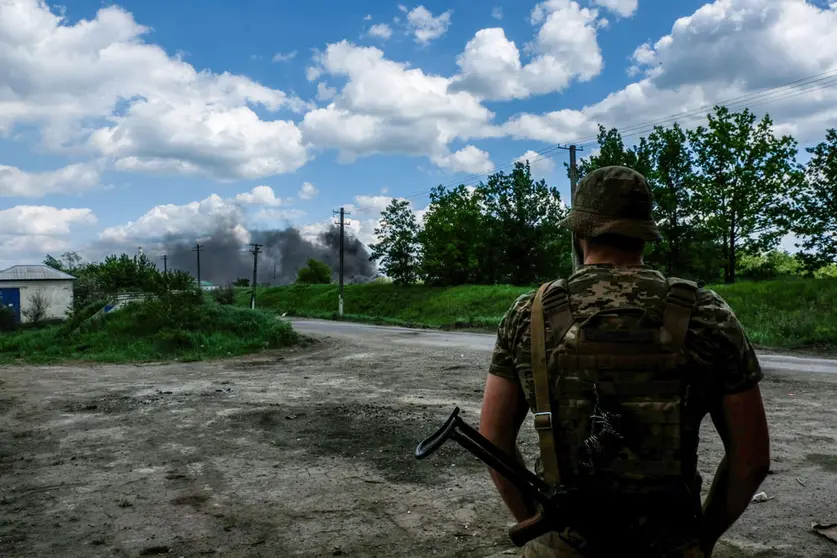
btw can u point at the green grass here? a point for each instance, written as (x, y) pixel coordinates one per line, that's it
(179, 328)
(792, 314)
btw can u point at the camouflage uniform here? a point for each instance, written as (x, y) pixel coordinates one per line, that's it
(715, 342)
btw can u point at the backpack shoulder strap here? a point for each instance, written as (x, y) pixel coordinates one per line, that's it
(680, 303)
(557, 303)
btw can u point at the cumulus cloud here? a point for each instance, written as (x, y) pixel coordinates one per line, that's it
(260, 195)
(97, 87)
(468, 159)
(388, 107)
(497, 13)
(198, 217)
(541, 166)
(324, 92)
(308, 191)
(426, 27)
(625, 8)
(725, 49)
(42, 220)
(380, 31)
(75, 178)
(565, 48)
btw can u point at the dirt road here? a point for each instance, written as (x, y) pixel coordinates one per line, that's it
(309, 452)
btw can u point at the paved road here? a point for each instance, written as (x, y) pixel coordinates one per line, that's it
(771, 362)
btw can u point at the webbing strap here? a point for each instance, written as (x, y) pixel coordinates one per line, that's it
(680, 303)
(556, 305)
(543, 404)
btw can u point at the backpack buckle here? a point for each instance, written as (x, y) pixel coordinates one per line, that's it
(543, 421)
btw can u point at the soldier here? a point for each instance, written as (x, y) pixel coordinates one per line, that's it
(620, 365)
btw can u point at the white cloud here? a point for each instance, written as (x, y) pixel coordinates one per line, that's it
(368, 17)
(388, 107)
(42, 220)
(468, 159)
(380, 31)
(97, 87)
(324, 92)
(260, 195)
(284, 57)
(541, 166)
(497, 13)
(308, 191)
(625, 8)
(70, 179)
(724, 50)
(199, 217)
(424, 26)
(565, 48)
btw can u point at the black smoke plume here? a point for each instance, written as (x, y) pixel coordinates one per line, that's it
(224, 258)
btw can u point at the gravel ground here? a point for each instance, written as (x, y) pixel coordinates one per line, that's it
(309, 452)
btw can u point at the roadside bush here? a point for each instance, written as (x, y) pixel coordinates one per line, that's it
(173, 325)
(225, 295)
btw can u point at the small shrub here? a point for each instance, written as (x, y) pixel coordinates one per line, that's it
(317, 273)
(225, 295)
(38, 308)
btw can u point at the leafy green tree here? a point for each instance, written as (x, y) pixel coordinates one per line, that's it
(522, 242)
(816, 207)
(241, 282)
(397, 248)
(612, 152)
(671, 178)
(746, 176)
(775, 264)
(315, 273)
(450, 238)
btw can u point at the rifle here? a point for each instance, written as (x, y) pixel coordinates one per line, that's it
(550, 516)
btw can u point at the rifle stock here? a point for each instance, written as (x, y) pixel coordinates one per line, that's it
(526, 482)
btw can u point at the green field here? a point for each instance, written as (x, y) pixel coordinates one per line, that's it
(174, 328)
(792, 314)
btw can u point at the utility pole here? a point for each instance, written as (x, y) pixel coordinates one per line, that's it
(165, 263)
(573, 182)
(198, 248)
(342, 229)
(255, 251)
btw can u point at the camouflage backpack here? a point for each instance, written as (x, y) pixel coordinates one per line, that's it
(617, 397)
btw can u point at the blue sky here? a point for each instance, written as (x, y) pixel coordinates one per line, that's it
(117, 116)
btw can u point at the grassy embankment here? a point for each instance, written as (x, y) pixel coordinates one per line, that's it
(178, 328)
(793, 314)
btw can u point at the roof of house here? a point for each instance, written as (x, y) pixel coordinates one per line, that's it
(33, 273)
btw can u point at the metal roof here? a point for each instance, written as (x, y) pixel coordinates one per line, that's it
(33, 273)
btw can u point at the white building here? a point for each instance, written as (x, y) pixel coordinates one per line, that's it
(26, 288)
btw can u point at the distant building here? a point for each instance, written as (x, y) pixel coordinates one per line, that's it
(21, 285)
(208, 286)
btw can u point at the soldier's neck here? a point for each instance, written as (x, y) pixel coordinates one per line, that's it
(612, 257)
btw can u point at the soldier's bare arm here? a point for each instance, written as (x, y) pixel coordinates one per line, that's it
(503, 410)
(738, 414)
(742, 425)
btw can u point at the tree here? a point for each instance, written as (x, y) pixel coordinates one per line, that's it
(316, 273)
(522, 242)
(746, 176)
(816, 208)
(397, 248)
(612, 152)
(38, 308)
(241, 282)
(450, 238)
(671, 179)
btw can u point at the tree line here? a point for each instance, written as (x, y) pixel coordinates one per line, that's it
(725, 194)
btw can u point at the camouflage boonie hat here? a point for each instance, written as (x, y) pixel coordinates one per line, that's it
(615, 200)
